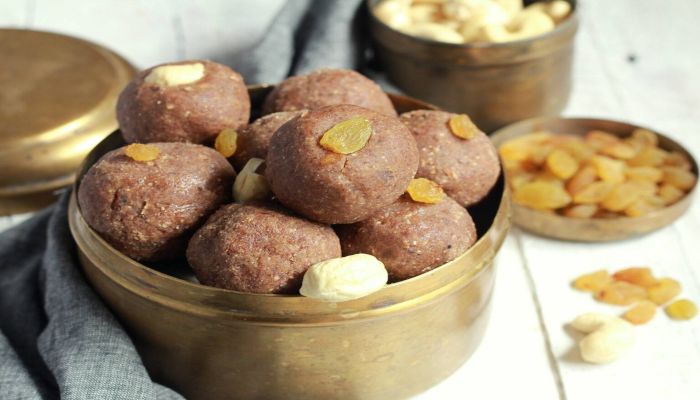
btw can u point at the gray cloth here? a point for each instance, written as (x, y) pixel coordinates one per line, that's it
(57, 338)
(307, 35)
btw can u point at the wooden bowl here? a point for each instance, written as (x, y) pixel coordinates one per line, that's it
(592, 229)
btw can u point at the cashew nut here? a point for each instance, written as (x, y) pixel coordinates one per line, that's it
(394, 13)
(473, 20)
(608, 337)
(173, 75)
(526, 24)
(345, 278)
(434, 31)
(249, 185)
(511, 7)
(557, 9)
(487, 14)
(424, 13)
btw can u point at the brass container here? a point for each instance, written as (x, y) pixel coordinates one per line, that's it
(594, 229)
(57, 101)
(210, 343)
(494, 83)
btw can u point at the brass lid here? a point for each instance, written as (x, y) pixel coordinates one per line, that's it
(57, 101)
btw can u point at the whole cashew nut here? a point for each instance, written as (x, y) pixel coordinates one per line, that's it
(394, 13)
(557, 9)
(430, 30)
(345, 278)
(526, 24)
(488, 13)
(608, 337)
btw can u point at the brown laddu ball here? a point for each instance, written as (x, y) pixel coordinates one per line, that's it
(334, 188)
(327, 87)
(148, 209)
(254, 139)
(467, 169)
(188, 101)
(259, 248)
(411, 238)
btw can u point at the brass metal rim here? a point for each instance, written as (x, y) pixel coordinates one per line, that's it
(595, 229)
(193, 298)
(207, 301)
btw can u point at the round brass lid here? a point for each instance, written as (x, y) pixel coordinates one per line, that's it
(57, 101)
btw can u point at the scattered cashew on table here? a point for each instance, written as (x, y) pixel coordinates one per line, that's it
(472, 21)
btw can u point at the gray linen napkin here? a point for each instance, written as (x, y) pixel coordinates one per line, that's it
(57, 338)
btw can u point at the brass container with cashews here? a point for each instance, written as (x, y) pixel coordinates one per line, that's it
(210, 343)
(494, 83)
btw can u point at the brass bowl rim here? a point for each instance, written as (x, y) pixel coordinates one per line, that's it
(500, 136)
(570, 22)
(411, 290)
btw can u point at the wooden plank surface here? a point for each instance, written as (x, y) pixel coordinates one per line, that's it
(636, 60)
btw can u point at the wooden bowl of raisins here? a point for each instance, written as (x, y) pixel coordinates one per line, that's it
(594, 180)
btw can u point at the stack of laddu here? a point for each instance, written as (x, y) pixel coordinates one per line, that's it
(329, 170)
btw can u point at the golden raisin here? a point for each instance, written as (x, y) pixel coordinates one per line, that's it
(640, 207)
(621, 293)
(549, 177)
(519, 179)
(678, 159)
(584, 177)
(608, 169)
(594, 193)
(142, 152)
(655, 201)
(648, 157)
(641, 313)
(462, 126)
(579, 149)
(581, 211)
(670, 194)
(640, 276)
(644, 174)
(226, 142)
(424, 190)
(682, 309)
(539, 153)
(515, 150)
(348, 136)
(621, 197)
(519, 149)
(593, 282)
(561, 164)
(600, 139)
(609, 144)
(678, 177)
(542, 195)
(665, 290)
(620, 150)
(646, 189)
(645, 137)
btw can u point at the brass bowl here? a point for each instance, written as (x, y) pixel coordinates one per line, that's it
(210, 343)
(594, 229)
(494, 83)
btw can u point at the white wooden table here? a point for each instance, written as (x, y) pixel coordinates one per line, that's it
(636, 60)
